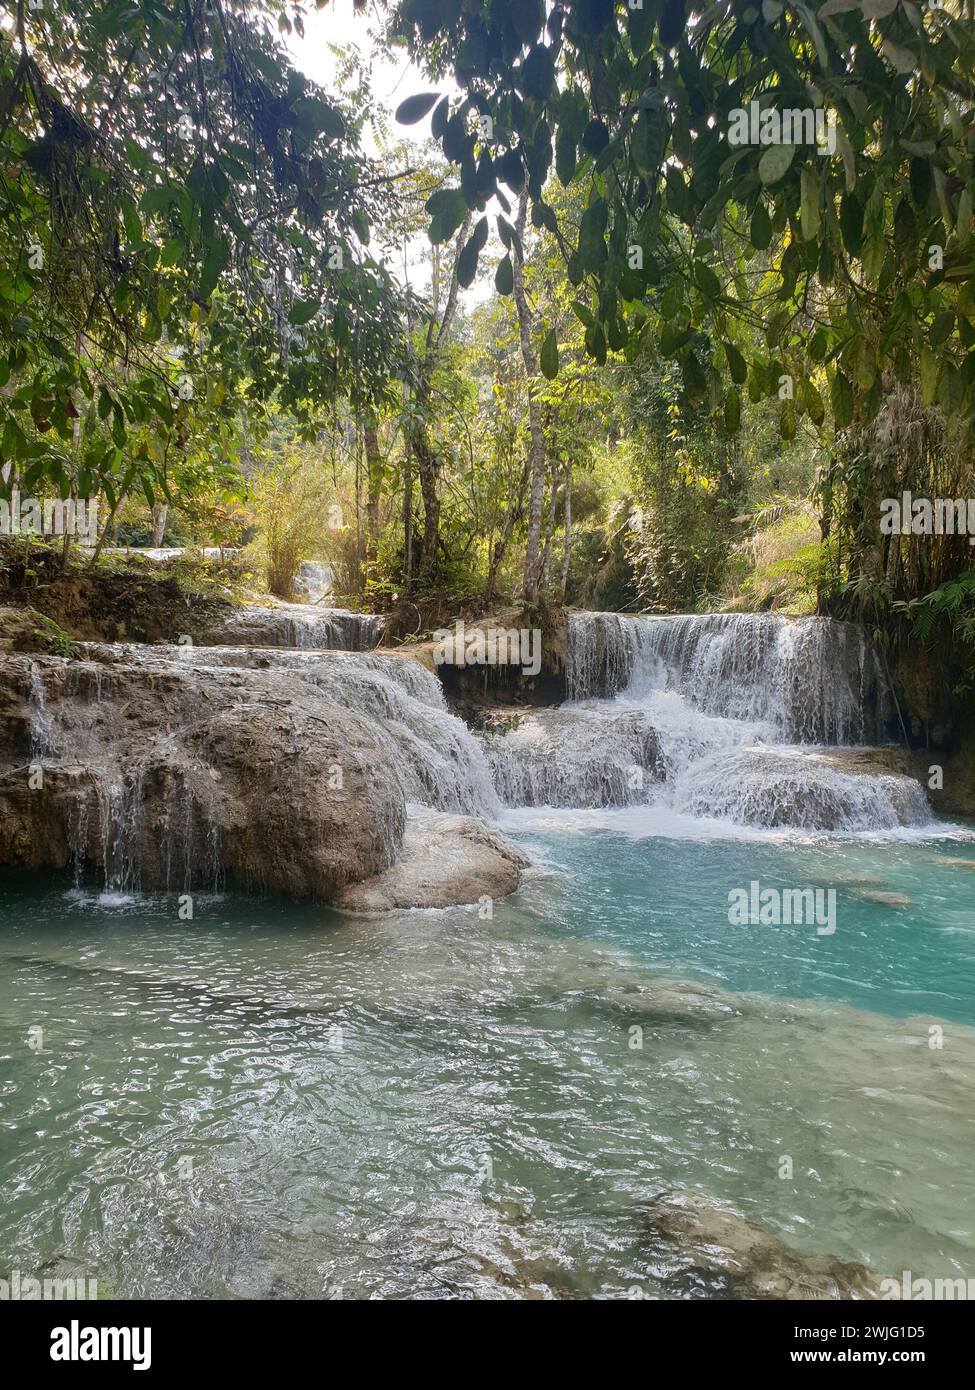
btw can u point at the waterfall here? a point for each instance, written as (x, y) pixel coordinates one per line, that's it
(300, 625)
(42, 739)
(313, 581)
(790, 788)
(813, 680)
(141, 749)
(586, 756)
(439, 762)
(719, 716)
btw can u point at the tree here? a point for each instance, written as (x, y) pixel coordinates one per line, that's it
(533, 558)
(865, 252)
(185, 226)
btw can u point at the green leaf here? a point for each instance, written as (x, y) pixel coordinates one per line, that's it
(155, 199)
(707, 282)
(565, 156)
(901, 59)
(130, 219)
(360, 225)
(536, 77)
(214, 262)
(592, 247)
(809, 203)
(504, 280)
(468, 258)
(941, 329)
(775, 163)
(673, 22)
(732, 410)
(851, 223)
(303, 311)
(647, 143)
(761, 228)
(414, 108)
(550, 356)
(737, 365)
(448, 209)
(841, 395)
(13, 441)
(595, 138)
(318, 117)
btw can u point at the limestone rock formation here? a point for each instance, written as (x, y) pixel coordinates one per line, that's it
(285, 771)
(165, 776)
(299, 625)
(445, 860)
(576, 756)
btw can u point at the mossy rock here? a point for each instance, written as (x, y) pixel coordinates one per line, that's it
(26, 630)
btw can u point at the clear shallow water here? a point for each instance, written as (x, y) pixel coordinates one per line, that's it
(480, 1126)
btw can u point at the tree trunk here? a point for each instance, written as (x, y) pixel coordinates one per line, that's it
(516, 506)
(426, 462)
(825, 527)
(553, 507)
(423, 448)
(567, 550)
(159, 514)
(374, 470)
(533, 574)
(407, 517)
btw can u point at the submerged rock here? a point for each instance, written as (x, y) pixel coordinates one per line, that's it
(882, 896)
(740, 1260)
(668, 1001)
(445, 860)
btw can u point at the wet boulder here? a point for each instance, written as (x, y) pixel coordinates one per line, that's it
(164, 776)
(445, 860)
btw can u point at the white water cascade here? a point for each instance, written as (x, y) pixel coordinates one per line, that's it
(437, 759)
(731, 717)
(313, 582)
(144, 755)
(305, 626)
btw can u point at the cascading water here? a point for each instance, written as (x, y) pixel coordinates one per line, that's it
(300, 625)
(42, 739)
(723, 716)
(438, 761)
(813, 680)
(313, 581)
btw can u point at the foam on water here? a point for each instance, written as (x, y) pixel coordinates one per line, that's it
(722, 718)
